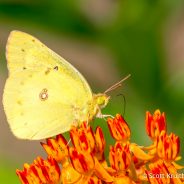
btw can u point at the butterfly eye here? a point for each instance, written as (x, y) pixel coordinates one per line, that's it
(43, 94)
(101, 100)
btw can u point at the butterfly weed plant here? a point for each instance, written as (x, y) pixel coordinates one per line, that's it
(82, 160)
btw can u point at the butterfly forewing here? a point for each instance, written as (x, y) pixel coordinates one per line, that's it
(44, 94)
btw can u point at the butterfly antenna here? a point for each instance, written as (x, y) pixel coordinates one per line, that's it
(124, 106)
(118, 84)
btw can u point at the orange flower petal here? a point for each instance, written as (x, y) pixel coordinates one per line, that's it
(57, 148)
(155, 123)
(139, 153)
(123, 180)
(83, 137)
(70, 175)
(120, 157)
(94, 180)
(99, 144)
(41, 171)
(101, 173)
(168, 146)
(82, 162)
(119, 128)
(158, 174)
(163, 173)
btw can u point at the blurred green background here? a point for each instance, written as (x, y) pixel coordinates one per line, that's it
(105, 40)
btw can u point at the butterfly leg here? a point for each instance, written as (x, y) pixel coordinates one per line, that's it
(107, 116)
(104, 116)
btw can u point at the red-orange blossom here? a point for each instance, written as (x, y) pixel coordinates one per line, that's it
(83, 160)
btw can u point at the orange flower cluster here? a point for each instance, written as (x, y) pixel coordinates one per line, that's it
(83, 161)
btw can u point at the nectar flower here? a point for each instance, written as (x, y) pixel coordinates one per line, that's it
(41, 171)
(168, 146)
(88, 152)
(120, 157)
(155, 123)
(82, 160)
(57, 148)
(119, 128)
(83, 137)
(163, 173)
(158, 174)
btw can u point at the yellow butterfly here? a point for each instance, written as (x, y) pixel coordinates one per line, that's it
(45, 95)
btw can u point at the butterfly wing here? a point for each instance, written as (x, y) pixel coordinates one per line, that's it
(44, 94)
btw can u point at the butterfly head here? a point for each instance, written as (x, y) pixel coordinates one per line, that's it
(101, 99)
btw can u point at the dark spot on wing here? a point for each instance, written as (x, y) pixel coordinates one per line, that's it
(19, 102)
(56, 68)
(47, 71)
(33, 40)
(43, 94)
(24, 68)
(22, 83)
(22, 50)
